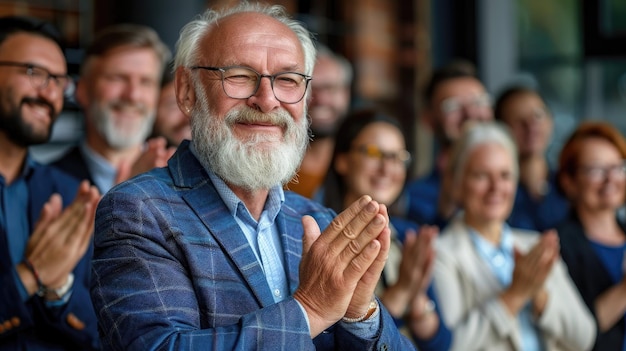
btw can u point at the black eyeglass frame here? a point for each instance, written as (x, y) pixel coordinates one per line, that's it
(29, 72)
(271, 77)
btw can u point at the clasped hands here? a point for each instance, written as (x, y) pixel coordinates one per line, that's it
(341, 266)
(59, 240)
(156, 153)
(530, 273)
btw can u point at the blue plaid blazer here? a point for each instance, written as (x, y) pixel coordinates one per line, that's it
(172, 270)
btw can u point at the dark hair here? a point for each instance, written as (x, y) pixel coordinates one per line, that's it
(126, 34)
(334, 187)
(455, 69)
(509, 93)
(10, 25)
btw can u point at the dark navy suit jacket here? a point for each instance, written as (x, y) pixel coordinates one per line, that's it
(35, 326)
(173, 270)
(589, 275)
(73, 163)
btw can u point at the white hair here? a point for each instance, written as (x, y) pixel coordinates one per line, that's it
(187, 46)
(475, 135)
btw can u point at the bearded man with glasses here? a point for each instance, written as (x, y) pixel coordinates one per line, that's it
(45, 253)
(210, 253)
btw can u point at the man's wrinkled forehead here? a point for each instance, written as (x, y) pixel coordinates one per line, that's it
(240, 30)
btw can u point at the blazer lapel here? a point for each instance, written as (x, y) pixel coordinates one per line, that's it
(479, 272)
(484, 279)
(211, 210)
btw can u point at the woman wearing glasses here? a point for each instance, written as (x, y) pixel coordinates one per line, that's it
(370, 158)
(501, 288)
(592, 174)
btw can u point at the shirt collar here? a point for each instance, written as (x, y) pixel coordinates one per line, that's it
(29, 166)
(101, 170)
(488, 249)
(275, 198)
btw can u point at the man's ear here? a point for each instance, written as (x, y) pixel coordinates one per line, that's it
(185, 93)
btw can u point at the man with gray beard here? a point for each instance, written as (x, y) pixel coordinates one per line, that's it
(118, 90)
(210, 253)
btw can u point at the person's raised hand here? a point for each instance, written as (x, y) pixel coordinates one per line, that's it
(333, 262)
(61, 237)
(155, 154)
(415, 271)
(531, 270)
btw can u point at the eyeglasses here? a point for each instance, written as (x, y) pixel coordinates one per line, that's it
(243, 82)
(600, 173)
(41, 77)
(453, 105)
(373, 152)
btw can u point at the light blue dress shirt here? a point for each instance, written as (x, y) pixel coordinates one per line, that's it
(501, 261)
(263, 237)
(102, 172)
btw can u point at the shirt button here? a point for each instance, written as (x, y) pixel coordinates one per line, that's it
(277, 293)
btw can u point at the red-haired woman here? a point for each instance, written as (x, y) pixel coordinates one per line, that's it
(592, 174)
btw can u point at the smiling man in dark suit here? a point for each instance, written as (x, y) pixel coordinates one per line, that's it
(44, 259)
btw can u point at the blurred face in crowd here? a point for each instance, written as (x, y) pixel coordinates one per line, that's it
(256, 142)
(330, 96)
(29, 100)
(488, 184)
(456, 101)
(530, 123)
(171, 122)
(119, 91)
(599, 181)
(376, 165)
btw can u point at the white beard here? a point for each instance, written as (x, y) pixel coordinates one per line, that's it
(250, 164)
(121, 136)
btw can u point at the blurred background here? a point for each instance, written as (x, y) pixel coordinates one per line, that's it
(573, 51)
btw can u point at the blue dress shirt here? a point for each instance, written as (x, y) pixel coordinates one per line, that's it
(101, 171)
(268, 247)
(14, 218)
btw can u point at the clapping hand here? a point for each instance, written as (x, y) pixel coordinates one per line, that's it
(60, 239)
(341, 266)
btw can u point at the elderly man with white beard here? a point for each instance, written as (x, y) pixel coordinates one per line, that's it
(210, 253)
(118, 90)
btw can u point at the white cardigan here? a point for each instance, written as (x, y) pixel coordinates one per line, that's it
(468, 296)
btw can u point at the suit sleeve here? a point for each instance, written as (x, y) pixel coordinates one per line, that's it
(145, 299)
(72, 324)
(566, 317)
(148, 295)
